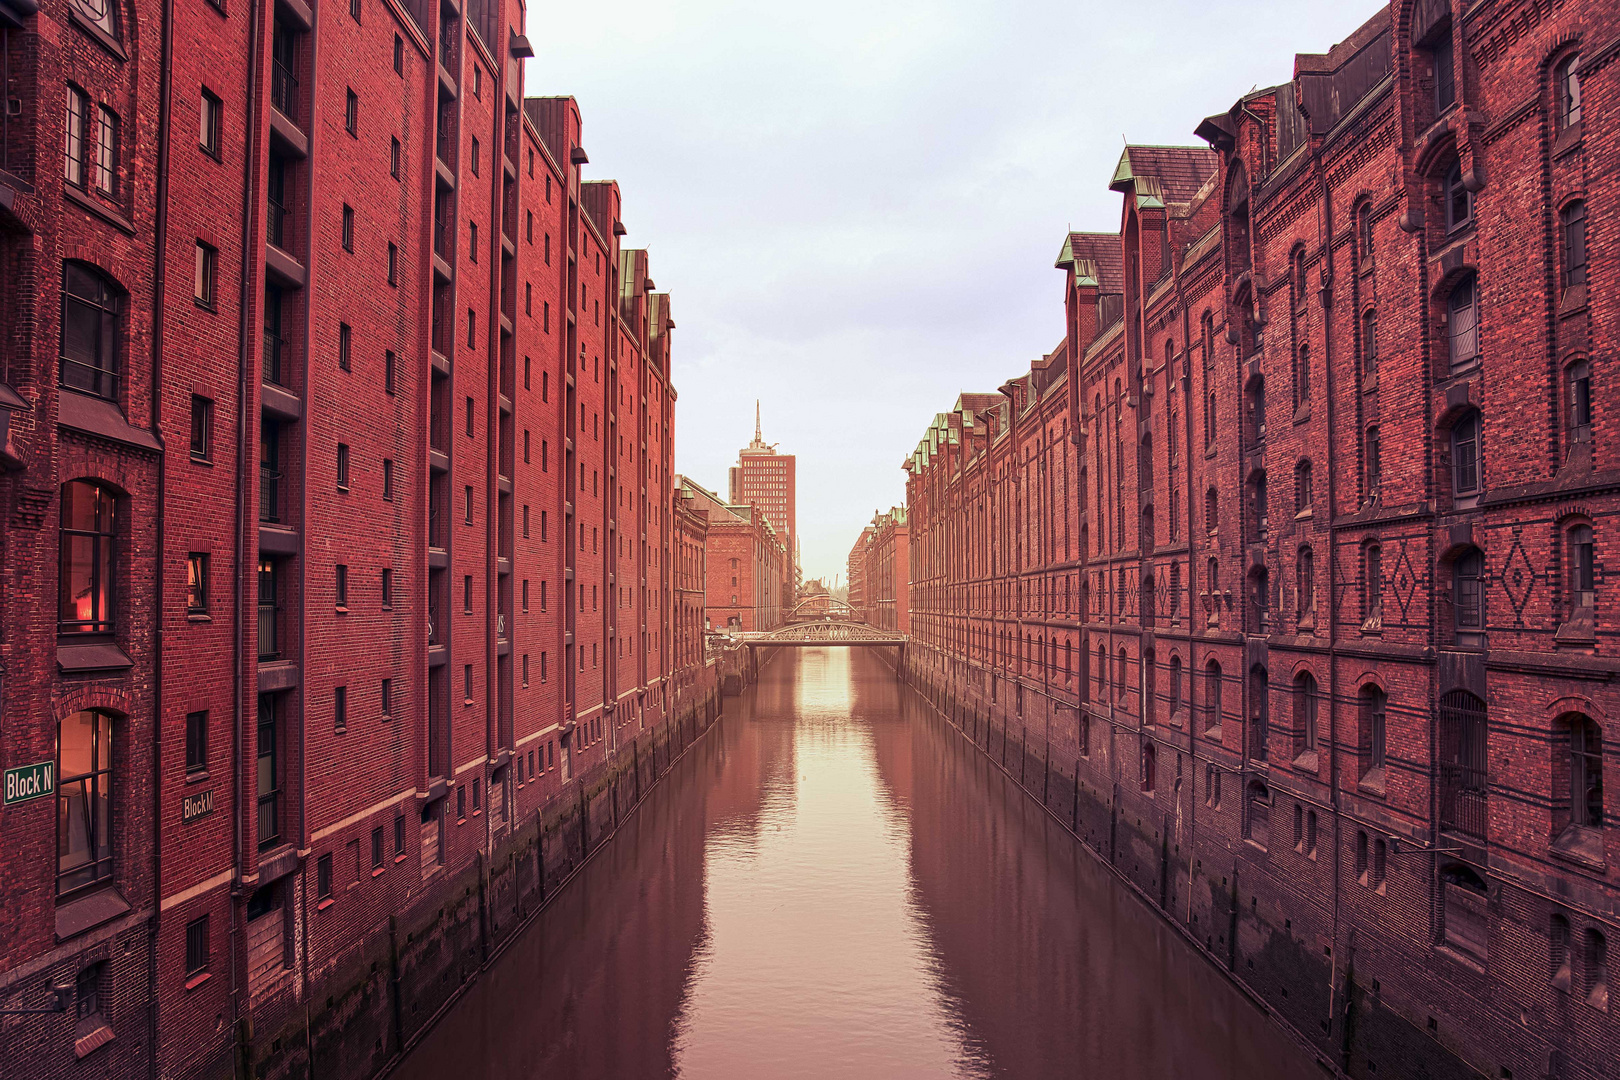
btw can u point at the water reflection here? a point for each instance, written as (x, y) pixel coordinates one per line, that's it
(832, 885)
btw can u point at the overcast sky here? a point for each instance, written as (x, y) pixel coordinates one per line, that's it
(856, 205)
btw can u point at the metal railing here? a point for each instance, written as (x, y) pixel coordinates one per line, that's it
(1463, 806)
(284, 89)
(269, 495)
(268, 632)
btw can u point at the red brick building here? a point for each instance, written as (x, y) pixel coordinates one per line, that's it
(1280, 577)
(879, 572)
(746, 565)
(768, 479)
(331, 580)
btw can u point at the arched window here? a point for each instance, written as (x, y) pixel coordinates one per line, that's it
(1597, 969)
(1150, 692)
(90, 331)
(1458, 200)
(1209, 419)
(1150, 762)
(1255, 399)
(1578, 377)
(1145, 463)
(1372, 587)
(1176, 699)
(1306, 703)
(1462, 313)
(1206, 334)
(1305, 586)
(1121, 676)
(1462, 763)
(1102, 668)
(1297, 278)
(1567, 91)
(88, 531)
(1257, 814)
(1302, 487)
(1174, 524)
(1582, 571)
(84, 802)
(1259, 601)
(1260, 709)
(1175, 590)
(1370, 711)
(102, 14)
(1465, 456)
(1259, 504)
(1468, 597)
(1573, 229)
(1558, 951)
(1464, 919)
(1369, 344)
(1585, 773)
(1364, 234)
(1373, 453)
(1302, 377)
(1212, 696)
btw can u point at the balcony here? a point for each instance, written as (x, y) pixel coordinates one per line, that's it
(277, 360)
(284, 89)
(269, 495)
(269, 636)
(1463, 807)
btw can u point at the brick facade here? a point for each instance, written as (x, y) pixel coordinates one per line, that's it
(746, 564)
(1280, 577)
(380, 442)
(880, 572)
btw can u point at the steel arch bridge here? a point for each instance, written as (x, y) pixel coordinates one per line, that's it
(822, 606)
(823, 633)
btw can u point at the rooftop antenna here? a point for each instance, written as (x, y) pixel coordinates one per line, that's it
(756, 421)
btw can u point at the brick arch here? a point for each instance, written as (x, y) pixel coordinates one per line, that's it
(1371, 677)
(1576, 703)
(108, 699)
(105, 261)
(1440, 291)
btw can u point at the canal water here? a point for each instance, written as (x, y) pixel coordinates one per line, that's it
(832, 884)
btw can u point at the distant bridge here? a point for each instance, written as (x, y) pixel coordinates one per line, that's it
(821, 607)
(826, 632)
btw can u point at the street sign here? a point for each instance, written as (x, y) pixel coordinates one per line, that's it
(30, 782)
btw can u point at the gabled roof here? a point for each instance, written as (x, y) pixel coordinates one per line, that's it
(1096, 258)
(1163, 174)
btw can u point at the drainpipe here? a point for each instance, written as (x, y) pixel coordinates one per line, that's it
(159, 280)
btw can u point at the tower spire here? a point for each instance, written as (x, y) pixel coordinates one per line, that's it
(756, 421)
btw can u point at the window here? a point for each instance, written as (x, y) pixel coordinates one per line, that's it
(78, 121)
(196, 946)
(84, 802)
(474, 158)
(268, 772)
(472, 329)
(1364, 235)
(1306, 705)
(1176, 702)
(210, 113)
(1578, 376)
(88, 528)
(1209, 420)
(1468, 597)
(1582, 576)
(87, 992)
(387, 588)
(393, 158)
(399, 837)
(1305, 585)
(106, 151)
(323, 877)
(196, 743)
(90, 346)
(340, 579)
(1369, 345)
(1567, 91)
(343, 467)
(1370, 730)
(1586, 773)
(202, 428)
(388, 480)
(348, 227)
(1463, 777)
(1558, 952)
(1302, 377)
(1445, 74)
(1372, 586)
(472, 254)
(1302, 487)
(345, 345)
(1212, 697)
(1373, 453)
(1573, 229)
(1260, 721)
(467, 502)
(1465, 462)
(1257, 815)
(387, 696)
(203, 274)
(399, 55)
(388, 371)
(197, 583)
(1212, 510)
(1149, 766)
(1459, 201)
(340, 708)
(351, 114)
(1297, 284)
(466, 594)
(1597, 969)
